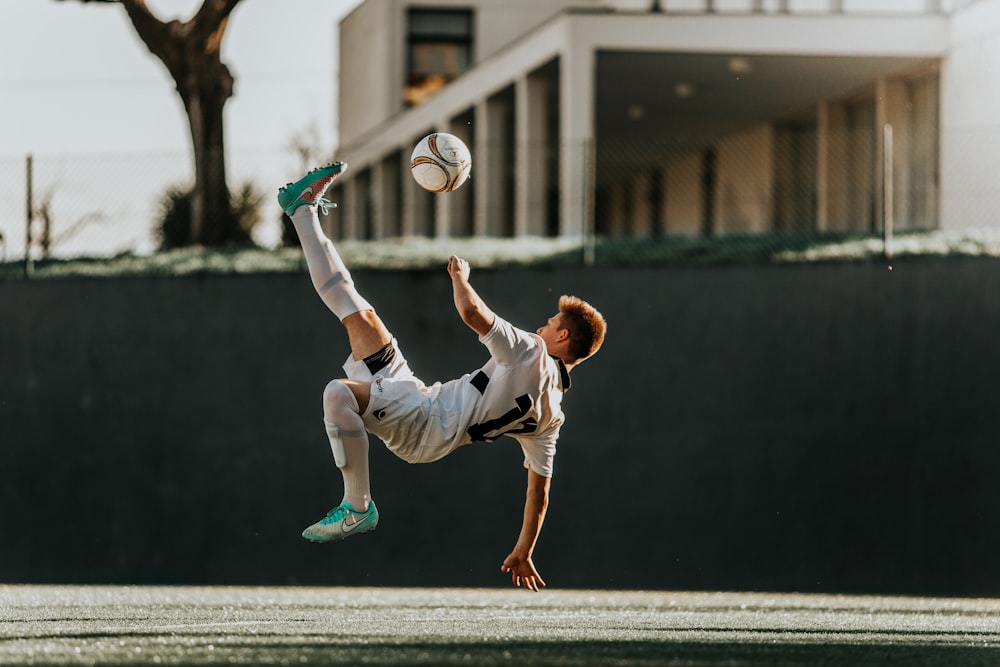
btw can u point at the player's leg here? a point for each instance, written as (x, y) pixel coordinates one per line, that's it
(349, 441)
(331, 279)
(367, 334)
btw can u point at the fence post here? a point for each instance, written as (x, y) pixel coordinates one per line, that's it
(29, 219)
(887, 192)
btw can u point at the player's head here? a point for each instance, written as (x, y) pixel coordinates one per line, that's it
(586, 327)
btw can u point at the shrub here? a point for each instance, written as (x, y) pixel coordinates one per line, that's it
(173, 228)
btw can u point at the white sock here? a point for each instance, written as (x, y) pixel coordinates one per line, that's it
(329, 275)
(344, 424)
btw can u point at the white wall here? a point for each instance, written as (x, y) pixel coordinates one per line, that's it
(793, 6)
(970, 119)
(373, 50)
(370, 76)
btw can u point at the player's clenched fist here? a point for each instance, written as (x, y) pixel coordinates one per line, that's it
(458, 267)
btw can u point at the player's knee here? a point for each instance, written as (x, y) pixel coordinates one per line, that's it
(338, 401)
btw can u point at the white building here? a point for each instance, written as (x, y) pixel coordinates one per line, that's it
(644, 117)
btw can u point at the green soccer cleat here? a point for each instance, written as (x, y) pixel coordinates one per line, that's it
(308, 190)
(341, 522)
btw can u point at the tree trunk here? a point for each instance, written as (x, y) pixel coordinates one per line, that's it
(212, 220)
(191, 52)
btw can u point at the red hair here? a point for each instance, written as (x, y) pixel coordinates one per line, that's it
(585, 324)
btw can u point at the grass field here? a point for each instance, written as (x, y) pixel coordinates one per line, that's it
(67, 625)
(419, 253)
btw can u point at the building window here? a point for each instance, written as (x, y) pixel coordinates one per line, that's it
(439, 49)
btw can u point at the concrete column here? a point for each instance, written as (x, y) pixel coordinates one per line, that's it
(443, 209)
(661, 183)
(616, 223)
(836, 140)
(393, 179)
(832, 181)
(460, 202)
(409, 212)
(489, 167)
(683, 204)
(530, 181)
(378, 195)
(331, 224)
(822, 166)
(890, 109)
(642, 216)
(350, 209)
(576, 136)
(481, 169)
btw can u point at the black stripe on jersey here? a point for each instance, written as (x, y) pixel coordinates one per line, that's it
(479, 381)
(563, 373)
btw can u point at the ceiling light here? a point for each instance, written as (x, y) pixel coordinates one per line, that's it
(740, 66)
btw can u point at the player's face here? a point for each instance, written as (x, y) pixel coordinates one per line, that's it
(550, 332)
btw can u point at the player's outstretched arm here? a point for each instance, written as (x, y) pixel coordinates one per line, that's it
(470, 306)
(518, 564)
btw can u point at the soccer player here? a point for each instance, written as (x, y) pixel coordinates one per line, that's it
(517, 393)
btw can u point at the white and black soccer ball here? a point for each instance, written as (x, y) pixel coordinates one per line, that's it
(440, 162)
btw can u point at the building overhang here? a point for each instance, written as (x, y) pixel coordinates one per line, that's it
(668, 75)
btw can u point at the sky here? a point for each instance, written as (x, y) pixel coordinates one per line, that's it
(80, 92)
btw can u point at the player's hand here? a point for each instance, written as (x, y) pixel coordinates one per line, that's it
(522, 572)
(458, 268)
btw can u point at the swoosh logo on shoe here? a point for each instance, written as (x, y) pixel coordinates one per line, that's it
(307, 194)
(358, 520)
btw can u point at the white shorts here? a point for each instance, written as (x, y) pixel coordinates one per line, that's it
(402, 412)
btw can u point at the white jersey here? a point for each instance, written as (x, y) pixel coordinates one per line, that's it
(518, 393)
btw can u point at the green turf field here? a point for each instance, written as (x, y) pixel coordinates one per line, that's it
(68, 625)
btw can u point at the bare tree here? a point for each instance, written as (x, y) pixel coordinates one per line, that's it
(49, 238)
(191, 51)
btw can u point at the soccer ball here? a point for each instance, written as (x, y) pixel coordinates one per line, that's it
(440, 162)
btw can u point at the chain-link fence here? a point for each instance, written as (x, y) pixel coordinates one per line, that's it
(106, 204)
(771, 188)
(766, 180)
(782, 188)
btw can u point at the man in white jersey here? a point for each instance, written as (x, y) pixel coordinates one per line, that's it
(517, 393)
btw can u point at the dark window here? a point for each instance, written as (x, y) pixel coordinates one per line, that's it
(439, 49)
